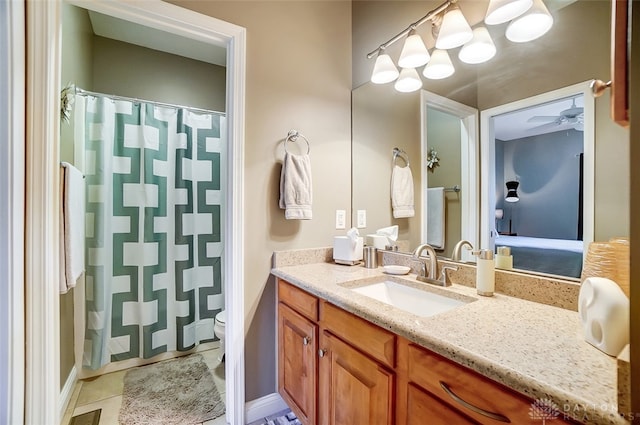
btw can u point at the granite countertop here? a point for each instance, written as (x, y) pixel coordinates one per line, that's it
(536, 349)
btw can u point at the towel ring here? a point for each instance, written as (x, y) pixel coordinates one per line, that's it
(397, 152)
(293, 137)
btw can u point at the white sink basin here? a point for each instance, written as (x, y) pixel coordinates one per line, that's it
(416, 301)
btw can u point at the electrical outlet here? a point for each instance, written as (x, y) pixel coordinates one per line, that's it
(362, 219)
(341, 219)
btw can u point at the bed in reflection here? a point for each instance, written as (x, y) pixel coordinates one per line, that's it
(553, 256)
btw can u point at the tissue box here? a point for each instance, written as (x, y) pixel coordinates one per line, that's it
(345, 251)
(377, 241)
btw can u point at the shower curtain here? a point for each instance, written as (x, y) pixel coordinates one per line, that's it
(154, 242)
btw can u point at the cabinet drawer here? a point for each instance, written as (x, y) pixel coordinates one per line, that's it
(366, 337)
(299, 300)
(421, 405)
(469, 392)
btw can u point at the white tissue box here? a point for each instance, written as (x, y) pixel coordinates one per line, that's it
(345, 251)
(377, 241)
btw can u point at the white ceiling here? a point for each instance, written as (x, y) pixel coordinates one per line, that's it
(129, 32)
(515, 125)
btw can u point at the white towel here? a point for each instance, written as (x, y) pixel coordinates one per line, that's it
(402, 192)
(435, 217)
(295, 187)
(71, 227)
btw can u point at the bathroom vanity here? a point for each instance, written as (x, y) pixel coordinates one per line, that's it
(344, 357)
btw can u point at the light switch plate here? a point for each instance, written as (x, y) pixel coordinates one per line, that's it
(362, 219)
(341, 219)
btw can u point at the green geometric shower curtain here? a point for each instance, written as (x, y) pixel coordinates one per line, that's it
(154, 229)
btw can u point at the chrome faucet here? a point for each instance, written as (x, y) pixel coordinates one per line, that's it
(433, 264)
(457, 250)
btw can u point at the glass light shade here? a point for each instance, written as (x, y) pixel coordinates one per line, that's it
(501, 11)
(439, 66)
(533, 24)
(512, 191)
(384, 71)
(479, 49)
(414, 52)
(408, 81)
(454, 30)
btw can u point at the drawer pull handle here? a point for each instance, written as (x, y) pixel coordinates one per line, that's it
(305, 340)
(454, 396)
(321, 352)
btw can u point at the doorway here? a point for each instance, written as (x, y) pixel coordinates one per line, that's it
(42, 396)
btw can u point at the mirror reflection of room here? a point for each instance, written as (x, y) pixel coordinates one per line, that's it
(539, 186)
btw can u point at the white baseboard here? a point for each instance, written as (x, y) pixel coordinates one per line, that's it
(263, 407)
(66, 392)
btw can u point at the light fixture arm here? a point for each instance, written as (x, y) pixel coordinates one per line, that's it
(429, 16)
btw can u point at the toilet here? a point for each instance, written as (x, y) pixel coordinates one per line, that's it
(218, 330)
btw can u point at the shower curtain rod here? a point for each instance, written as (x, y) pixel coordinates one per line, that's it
(84, 92)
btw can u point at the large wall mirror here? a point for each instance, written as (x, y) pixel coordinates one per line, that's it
(521, 75)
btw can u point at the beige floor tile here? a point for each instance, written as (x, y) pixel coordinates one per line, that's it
(210, 357)
(110, 410)
(101, 388)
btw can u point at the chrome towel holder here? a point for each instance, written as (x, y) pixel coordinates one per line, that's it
(397, 152)
(293, 136)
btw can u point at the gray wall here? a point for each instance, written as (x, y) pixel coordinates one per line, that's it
(548, 168)
(133, 71)
(77, 50)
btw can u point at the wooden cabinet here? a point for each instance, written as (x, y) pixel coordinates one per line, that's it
(354, 389)
(335, 368)
(297, 361)
(435, 382)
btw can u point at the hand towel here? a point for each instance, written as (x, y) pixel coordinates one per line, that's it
(435, 217)
(72, 227)
(295, 187)
(402, 192)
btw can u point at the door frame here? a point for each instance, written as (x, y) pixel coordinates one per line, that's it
(12, 183)
(469, 149)
(44, 28)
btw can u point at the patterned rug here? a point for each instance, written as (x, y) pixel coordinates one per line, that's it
(173, 392)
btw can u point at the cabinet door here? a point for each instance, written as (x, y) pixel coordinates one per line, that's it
(297, 363)
(354, 389)
(423, 408)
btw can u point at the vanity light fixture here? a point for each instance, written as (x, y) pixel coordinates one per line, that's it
(414, 52)
(533, 24)
(439, 66)
(384, 71)
(512, 191)
(501, 11)
(408, 81)
(480, 49)
(454, 30)
(451, 30)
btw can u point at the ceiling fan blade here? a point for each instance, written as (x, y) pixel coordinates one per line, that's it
(543, 118)
(541, 128)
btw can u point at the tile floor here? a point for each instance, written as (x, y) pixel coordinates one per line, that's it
(105, 392)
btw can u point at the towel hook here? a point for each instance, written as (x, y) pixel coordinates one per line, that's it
(397, 152)
(293, 136)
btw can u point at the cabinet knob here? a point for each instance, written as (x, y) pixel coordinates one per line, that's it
(305, 340)
(321, 352)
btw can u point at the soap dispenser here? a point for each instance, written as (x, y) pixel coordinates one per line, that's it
(485, 272)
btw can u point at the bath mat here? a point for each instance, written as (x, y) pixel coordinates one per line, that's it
(178, 391)
(89, 418)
